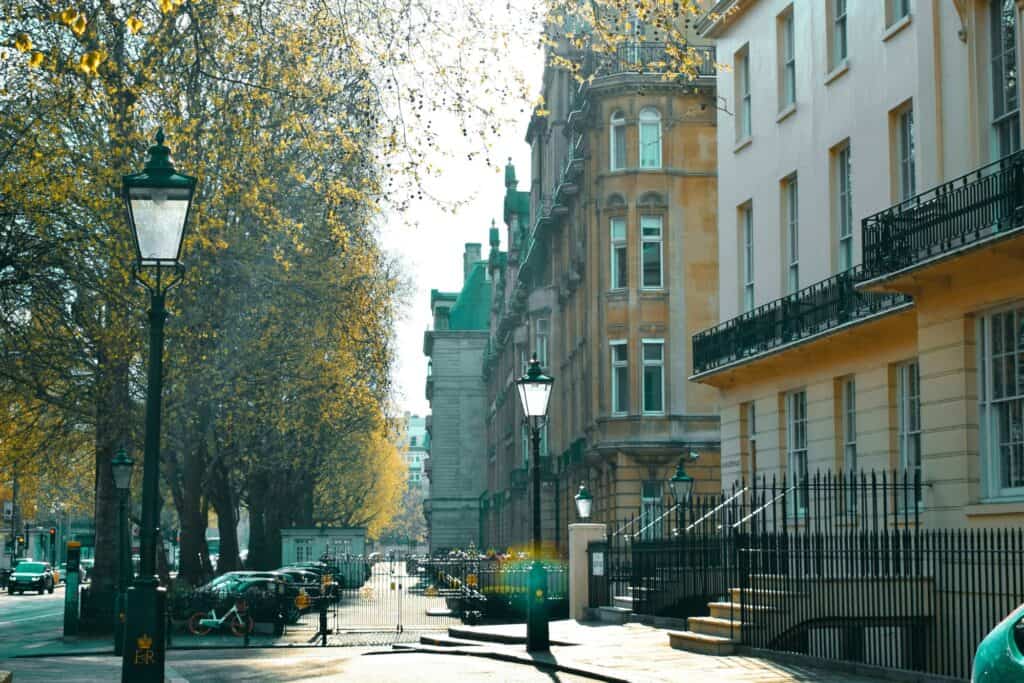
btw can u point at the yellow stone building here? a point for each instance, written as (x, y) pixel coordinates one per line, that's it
(610, 268)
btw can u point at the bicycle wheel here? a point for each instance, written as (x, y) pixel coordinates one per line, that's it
(242, 624)
(195, 627)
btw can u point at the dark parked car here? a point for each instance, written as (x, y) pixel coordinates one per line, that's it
(35, 576)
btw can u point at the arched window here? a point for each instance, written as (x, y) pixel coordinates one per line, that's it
(650, 138)
(617, 152)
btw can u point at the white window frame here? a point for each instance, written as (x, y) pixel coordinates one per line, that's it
(747, 256)
(649, 121)
(744, 125)
(838, 28)
(618, 244)
(848, 413)
(905, 151)
(654, 363)
(751, 409)
(796, 446)
(616, 366)
(652, 507)
(617, 140)
(844, 206)
(1005, 110)
(908, 419)
(787, 59)
(896, 10)
(999, 365)
(541, 336)
(646, 223)
(791, 196)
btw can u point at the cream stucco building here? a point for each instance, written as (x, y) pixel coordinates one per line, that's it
(870, 202)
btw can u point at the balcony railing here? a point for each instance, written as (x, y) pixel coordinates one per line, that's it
(813, 310)
(652, 57)
(954, 215)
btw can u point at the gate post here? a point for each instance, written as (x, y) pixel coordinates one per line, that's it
(580, 536)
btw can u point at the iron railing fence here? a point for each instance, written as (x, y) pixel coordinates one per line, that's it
(673, 560)
(920, 600)
(813, 310)
(656, 57)
(956, 214)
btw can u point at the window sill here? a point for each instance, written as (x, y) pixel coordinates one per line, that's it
(786, 113)
(988, 508)
(745, 142)
(837, 72)
(653, 292)
(617, 294)
(897, 27)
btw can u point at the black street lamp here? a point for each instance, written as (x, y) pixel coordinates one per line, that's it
(534, 391)
(681, 485)
(122, 467)
(584, 502)
(158, 202)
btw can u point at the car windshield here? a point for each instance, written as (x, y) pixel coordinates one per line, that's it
(31, 568)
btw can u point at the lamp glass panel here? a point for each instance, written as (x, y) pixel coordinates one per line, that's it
(535, 397)
(584, 506)
(122, 476)
(159, 217)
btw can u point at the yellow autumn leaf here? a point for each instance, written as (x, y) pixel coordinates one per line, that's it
(78, 26)
(36, 59)
(134, 24)
(22, 42)
(166, 6)
(68, 16)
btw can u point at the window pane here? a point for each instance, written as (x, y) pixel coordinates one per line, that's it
(618, 229)
(619, 353)
(652, 352)
(620, 269)
(652, 264)
(652, 389)
(650, 145)
(621, 390)
(618, 147)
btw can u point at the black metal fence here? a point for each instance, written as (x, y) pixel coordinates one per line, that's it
(831, 566)
(671, 560)
(983, 203)
(813, 310)
(657, 57)
(920, 600)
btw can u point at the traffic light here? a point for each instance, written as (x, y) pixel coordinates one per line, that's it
(53, 545)
(21, 540)
(53, 533)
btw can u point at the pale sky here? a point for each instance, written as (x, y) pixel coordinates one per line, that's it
(430, 250)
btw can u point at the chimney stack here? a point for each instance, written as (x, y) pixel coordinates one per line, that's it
(471, 256)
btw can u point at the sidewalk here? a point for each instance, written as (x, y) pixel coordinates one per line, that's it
(629, 652)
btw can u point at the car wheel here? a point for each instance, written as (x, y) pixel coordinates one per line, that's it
(50, 589)
(42, 590)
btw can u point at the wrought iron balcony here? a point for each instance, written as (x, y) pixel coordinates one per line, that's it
(653, 57)
(982, 205)
(810, 312)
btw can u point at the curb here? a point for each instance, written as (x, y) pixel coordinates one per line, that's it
(514, 659)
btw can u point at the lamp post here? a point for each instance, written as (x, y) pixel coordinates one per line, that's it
(122, 467)
(584, 502)
(681, 485)
(157, 201)
(534, 391)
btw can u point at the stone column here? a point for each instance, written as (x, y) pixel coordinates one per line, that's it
(579, 572)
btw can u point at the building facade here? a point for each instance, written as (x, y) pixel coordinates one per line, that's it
(869, 212)
(415, 446)
(611, 266)
(457, 396)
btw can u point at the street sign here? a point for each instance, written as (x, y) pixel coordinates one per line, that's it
(8, 510)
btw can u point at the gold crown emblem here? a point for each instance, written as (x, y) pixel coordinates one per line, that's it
(144, 642)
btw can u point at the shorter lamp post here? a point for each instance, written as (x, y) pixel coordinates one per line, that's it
(681, 485)
(584, 503)
(122, 466)
(534, 391)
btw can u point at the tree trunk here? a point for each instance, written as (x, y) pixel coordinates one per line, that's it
(194, 560)
(223, 501)
(112, 420)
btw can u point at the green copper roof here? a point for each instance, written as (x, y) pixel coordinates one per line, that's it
(473, 305)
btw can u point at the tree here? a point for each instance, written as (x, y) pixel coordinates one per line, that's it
(408, 525)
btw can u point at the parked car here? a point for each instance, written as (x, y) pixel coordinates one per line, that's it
(1000, 656)
(27, 576)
